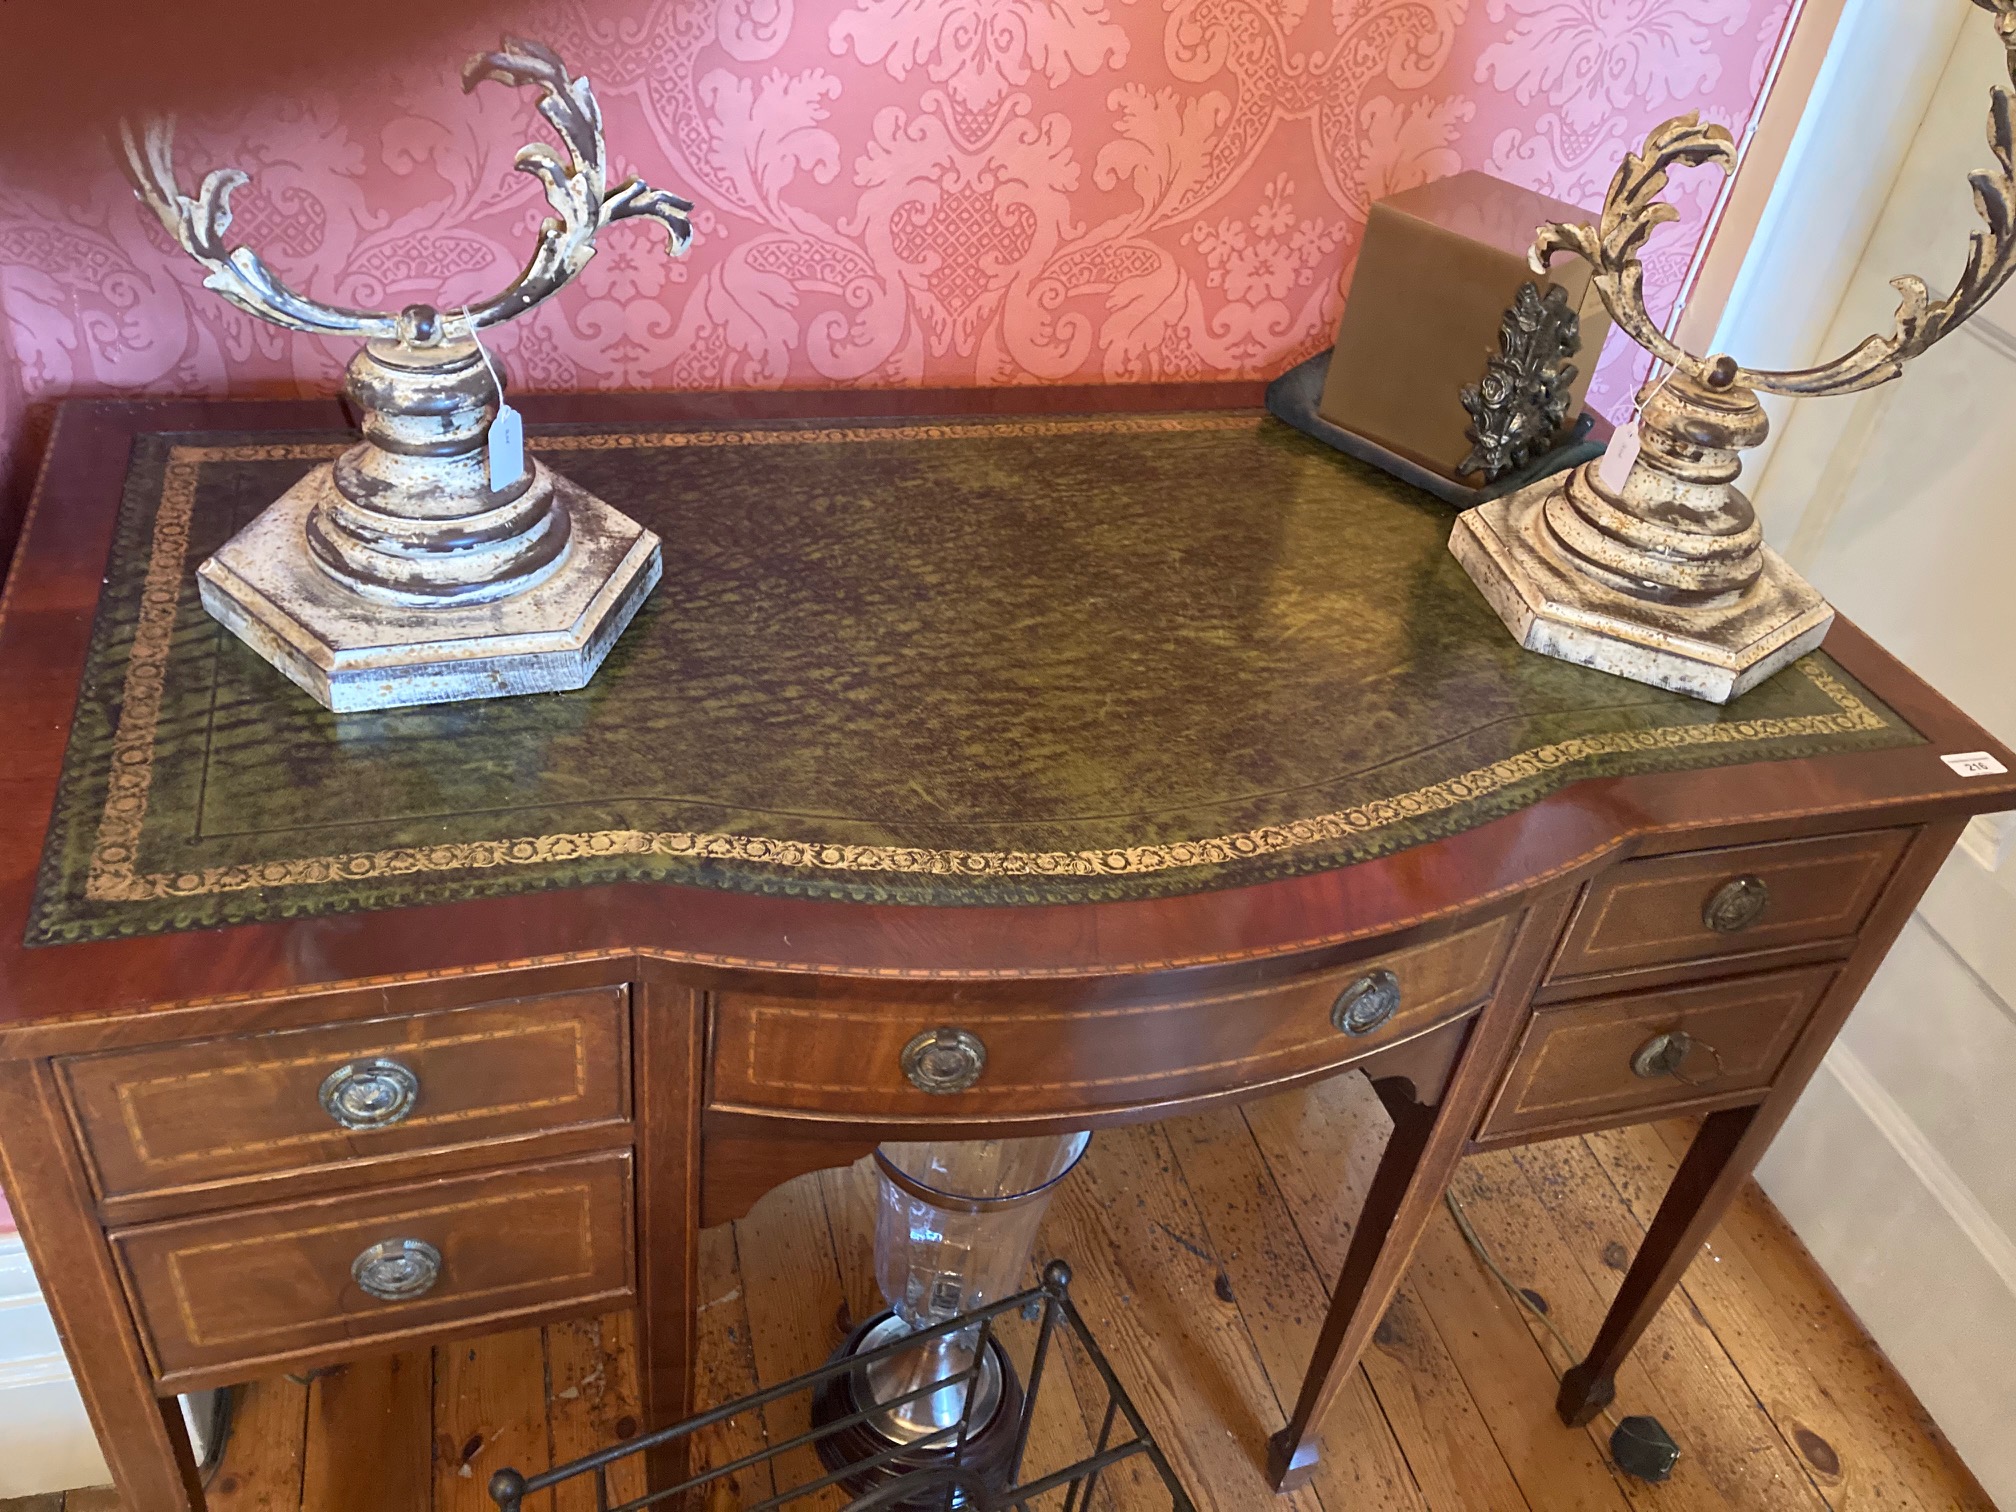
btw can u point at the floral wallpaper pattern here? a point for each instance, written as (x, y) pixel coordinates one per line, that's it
(889, 191)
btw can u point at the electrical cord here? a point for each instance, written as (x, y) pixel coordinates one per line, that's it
(1477, 1247)
(1640, 1446)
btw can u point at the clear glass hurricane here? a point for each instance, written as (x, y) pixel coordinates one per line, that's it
(954, 1223)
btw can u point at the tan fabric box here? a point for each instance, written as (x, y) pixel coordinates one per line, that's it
(1439, 266)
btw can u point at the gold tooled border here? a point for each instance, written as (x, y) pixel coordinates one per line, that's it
(114, 875)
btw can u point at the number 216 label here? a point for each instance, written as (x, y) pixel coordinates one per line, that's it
(1975, 764)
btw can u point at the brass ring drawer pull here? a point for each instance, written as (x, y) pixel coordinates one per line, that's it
(370, 1094)
(1736, 905)
(944, 1060)
(1664, 1055)
(1367, 1003)
(397, 1270)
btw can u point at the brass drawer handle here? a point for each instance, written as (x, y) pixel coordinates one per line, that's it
(944, 1060)
(1664, 1055)
(1736, 905)
(1367, 1003)
(370, 1094)
(397, 1270)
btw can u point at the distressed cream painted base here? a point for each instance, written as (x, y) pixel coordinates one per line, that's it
(352, 654)
(1709, 653)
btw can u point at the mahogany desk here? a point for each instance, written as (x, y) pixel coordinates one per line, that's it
(964, 776)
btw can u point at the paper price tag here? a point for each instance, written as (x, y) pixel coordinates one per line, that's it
(1621, 455)
(506, 437)
(507, 448)
(1974, 764)
(1614, 466)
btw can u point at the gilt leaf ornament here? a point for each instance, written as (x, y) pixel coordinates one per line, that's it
(1633, 209)
(576, 185)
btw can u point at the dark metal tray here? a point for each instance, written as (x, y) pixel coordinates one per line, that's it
(1292, 398)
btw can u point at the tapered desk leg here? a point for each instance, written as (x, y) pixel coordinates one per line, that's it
(1434, 1115)
(669, 1070)
(1406, 1185)
(1730, 1143)
(1717, 1164)
(143, 1438)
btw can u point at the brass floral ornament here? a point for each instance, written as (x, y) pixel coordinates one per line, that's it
(1517, 407)
(1662, 574)
(434, 560)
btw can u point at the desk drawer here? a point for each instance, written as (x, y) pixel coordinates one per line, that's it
(1035, 1057)
(184, 1115)
(1702, 904)
(1587, 1064)
(249, 1290)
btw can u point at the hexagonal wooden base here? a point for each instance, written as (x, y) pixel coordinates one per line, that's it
(1712, 653)
(352, 654)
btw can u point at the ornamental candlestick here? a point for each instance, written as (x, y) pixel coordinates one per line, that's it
(1663, 575)
(426, 564)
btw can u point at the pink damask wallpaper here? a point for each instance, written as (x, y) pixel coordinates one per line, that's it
(889, 191)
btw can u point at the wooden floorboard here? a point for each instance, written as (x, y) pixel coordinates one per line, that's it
(1820, 1378)
(1679, 1372)
(270, 1429)
(1201, 1251)
(594, 1400)
(1147, 1283)
(1479, 1330)
(369, 1433)
(1269, 1274)
(797, 1313)
(725, 1370)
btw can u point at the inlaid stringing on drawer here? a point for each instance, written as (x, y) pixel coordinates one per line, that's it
(256, 1287)
(173, 1116)
(1655, 911)
(842, 1055)
(1576, 1062)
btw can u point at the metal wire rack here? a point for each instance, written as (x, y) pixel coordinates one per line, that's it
(1038, 1333)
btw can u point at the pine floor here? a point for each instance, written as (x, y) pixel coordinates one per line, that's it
(1200, 1248)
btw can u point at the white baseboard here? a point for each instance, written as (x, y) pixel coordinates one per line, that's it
(46, 1443)
(1927, 1269)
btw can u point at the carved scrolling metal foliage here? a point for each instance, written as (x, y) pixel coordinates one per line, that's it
(1633, 209)
(1519, 404)
(577, 189)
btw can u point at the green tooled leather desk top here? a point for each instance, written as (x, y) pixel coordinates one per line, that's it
(971, 661)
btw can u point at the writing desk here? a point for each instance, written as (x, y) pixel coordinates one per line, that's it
(986, 763)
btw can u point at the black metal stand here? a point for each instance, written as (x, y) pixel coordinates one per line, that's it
(867, 1460)
(955, 1480)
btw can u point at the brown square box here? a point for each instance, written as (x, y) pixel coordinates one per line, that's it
(1439, 266)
